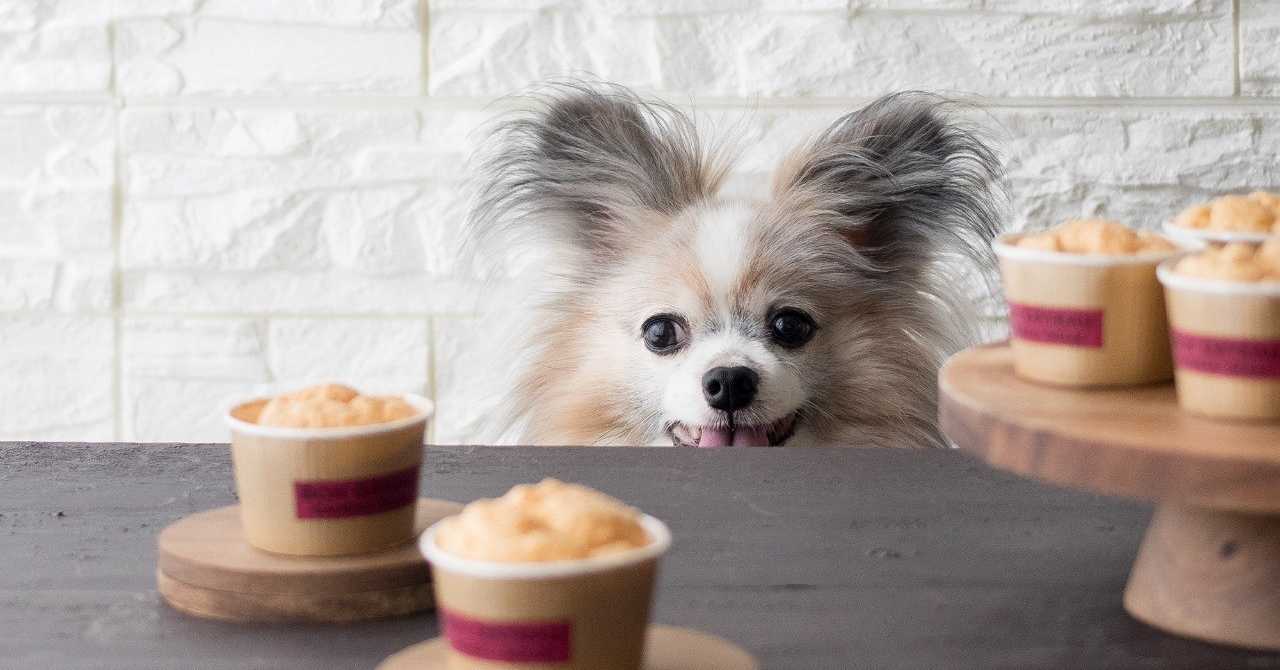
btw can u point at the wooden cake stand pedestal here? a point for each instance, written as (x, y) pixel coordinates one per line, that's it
(1209, 567)
(208, 569)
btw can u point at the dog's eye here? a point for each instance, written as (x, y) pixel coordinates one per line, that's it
(663, 334)
(792, 328)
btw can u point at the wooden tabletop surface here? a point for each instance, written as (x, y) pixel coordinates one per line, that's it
(810, 559)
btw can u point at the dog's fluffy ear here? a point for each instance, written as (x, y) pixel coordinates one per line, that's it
(584, 166)
(905, 180)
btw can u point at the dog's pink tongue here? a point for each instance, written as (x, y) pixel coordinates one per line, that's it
(715, 437)
(751, 437)
(719, 436)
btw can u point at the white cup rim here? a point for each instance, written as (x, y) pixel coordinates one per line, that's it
(426, 409)
(1004, 246)
(658, 532)
(1173, 280)
(1225, 236)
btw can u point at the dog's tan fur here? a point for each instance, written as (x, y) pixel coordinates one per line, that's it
(854, 236)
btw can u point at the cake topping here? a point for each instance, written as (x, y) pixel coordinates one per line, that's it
(332, 406)
(1235, 262)
(548, 521)
(1096, 236)
(1258, 212)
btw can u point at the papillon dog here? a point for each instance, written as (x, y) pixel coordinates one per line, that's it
(817, 314)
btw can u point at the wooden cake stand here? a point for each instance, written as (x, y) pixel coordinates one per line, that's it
(209, 570)
(1209, 567)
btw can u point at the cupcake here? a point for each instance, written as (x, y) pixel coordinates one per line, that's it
(328, 471)
(1224, 316)
(549, 575)
(1085, 308)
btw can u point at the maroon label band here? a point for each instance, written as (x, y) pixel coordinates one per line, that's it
(1056, 325)
(540, 642)
(1227, 356)
(340, 499)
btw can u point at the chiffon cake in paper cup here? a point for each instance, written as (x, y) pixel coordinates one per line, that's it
(1226, 344)
(575, 614)
(327, 491)
(1086, 320)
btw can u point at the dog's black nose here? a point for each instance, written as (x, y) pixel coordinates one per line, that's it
(730, 389)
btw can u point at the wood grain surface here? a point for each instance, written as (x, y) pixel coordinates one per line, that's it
(247, 608)
(1131, 441)
(207, 568)
(1210, 575)
(810, 559)
(666, 648)
(208, 549)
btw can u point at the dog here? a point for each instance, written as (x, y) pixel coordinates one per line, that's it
(673, 316)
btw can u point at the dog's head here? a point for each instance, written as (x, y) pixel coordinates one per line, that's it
(815, 315)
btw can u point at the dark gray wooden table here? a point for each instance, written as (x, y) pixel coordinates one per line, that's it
(811, 559)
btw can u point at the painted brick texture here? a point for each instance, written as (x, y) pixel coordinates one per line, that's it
(706, 50)
(202, 201)
(275, 48)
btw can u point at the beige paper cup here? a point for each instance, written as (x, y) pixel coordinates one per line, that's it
(327, 491)
(1226, 341)
(585, 614)
(1086, 320)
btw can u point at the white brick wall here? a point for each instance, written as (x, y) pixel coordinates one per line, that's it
(201, 200)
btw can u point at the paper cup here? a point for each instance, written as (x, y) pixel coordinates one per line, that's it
(586, 614)
(327, 491)
(1226, 344)
(1085, 320)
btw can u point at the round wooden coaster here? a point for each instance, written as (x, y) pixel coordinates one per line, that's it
(1209, 566)
(666, 648)
(206, 568)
